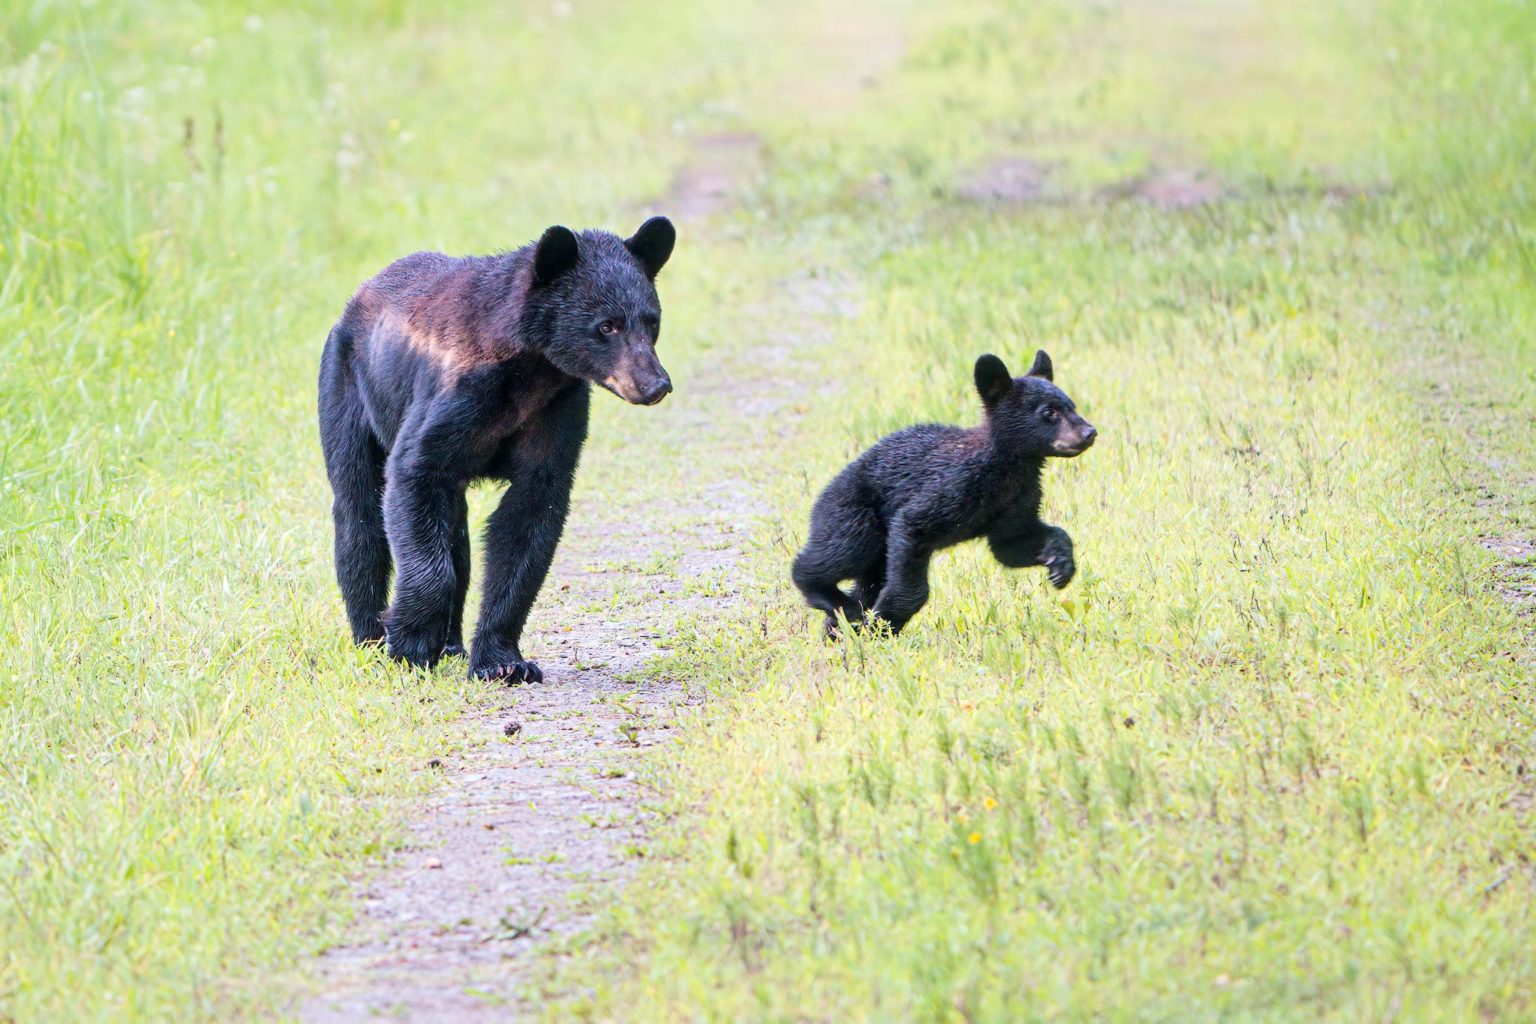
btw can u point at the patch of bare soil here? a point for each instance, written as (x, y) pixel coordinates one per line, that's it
(1023, 180)
(1005, 180)
(707, 183)
(1503, 492)
(1515, 572)
(1019, 180)
(1179, 188)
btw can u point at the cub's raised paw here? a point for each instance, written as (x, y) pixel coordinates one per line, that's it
(1060, 569)
(509, 672)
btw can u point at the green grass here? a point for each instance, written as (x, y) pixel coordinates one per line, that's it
(1269, 756)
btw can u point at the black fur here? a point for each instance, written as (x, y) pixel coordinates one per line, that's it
(443, 371)
(929, 487)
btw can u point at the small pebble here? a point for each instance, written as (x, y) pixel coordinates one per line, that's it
(434, 864)
(512, 728)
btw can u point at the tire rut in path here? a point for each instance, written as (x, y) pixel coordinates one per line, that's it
(495, 864)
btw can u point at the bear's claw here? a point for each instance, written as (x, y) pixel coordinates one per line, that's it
(510, 672)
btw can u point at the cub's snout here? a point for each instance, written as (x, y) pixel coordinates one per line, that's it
(1074, 438)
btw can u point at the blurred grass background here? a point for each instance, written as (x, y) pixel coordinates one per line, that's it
(1269, 756)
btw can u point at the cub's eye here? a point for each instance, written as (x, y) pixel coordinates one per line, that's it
(608, 327)
(1050, 414)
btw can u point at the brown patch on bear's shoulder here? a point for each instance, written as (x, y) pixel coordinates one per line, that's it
(449, 350)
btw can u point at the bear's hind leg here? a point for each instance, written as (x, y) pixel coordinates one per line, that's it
(841, 545)
(829, 598)
(867, 586)
(354, 461)
(454, 648)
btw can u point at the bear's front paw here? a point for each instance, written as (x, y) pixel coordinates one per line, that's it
(509, 671)
(454, 649)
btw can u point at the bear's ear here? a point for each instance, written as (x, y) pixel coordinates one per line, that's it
(1041, 367)
(554, 255)
(992, 379)
(652, 244)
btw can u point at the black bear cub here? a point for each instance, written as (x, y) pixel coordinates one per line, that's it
(443, 371)
(930, 487)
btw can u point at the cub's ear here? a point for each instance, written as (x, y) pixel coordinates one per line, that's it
(652, 244)
(554, 255)
(992, 379)
(1041, 367)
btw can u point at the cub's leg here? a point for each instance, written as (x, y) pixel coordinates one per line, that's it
(868, 583)
(354, 461)
(844, 539)
(524, 530)
(1038, 544)
(906, 584)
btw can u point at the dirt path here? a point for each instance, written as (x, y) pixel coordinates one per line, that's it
(542, 810)
(1499, 485)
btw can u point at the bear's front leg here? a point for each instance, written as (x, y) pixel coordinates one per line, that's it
(1039, 544)
(521, 537)
(421, 511)
(520, 543)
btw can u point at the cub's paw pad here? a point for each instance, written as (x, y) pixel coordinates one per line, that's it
(452, 650)
(509, 672)
(1060, 571)
(833, 627)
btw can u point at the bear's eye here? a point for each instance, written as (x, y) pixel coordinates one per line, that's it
(1050, 413)
(608, 327)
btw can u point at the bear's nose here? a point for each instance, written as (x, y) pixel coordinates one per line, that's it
(1089, 433)
(656, 392)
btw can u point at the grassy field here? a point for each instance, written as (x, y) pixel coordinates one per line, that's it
(1270, 756)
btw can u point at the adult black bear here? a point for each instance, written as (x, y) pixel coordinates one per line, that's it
(443, 371)
(929, 487)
